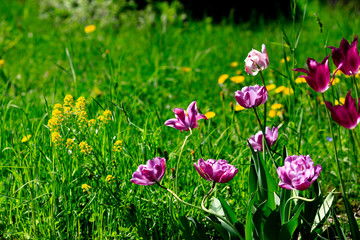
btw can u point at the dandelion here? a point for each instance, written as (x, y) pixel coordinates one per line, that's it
(234, 64)
(70, 143)
(90, 28)
(272, 113)
(276, 106)
(239, 108)
(85, 148)
(288, 91)
(279, 89)
(68, 100)
(109, 178)
(2, 62)
(117, 146)
(300, 80)
(210, 115)
(85, 187)
(56, 138)
(335, 81)
(237, 79)
(185, 69)
(223, 78)
(270, 87)
(238, 72)
(26, 138)
(341, 100)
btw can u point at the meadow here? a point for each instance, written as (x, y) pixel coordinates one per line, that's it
(70, 178)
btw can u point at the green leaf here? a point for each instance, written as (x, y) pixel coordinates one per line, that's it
(253, 181)
(272, 226)
(338, 228)
(229, 213)
(284, 208)
(354, 228)
(323, 210)
(218, 226)
(288, 229)
(249, 226)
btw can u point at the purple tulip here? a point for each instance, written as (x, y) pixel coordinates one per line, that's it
(256, 140)
(318, 75)
(346, 115)
(298, 172)
(346, 57)
(251, 96)
(150, 173)
(217, 171)
(185, 120)
(256, 61)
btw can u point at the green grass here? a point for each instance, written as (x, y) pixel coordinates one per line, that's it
(141, 80)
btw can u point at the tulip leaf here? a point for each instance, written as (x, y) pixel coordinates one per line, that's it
(288, 229)
(249, 226)
(222, 231)
(323, 210)
(338, 228)
(272, 226)
(197, 231)
(354, 228)
(229, 213)
(253, 181)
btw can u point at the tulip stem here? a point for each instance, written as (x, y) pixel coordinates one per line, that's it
(203, 207)
(178, 162)
(357, 93)
(264, 139)
(356, 138)
(335, 149)
(207, 195)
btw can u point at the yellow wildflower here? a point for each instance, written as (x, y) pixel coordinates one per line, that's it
(91, 122)
(85, 187)
(58, 106)
(26, 138)
(82, 117)
(70, 143)
(2, 62)
(280, 89)
(336, 80)
(341, 100)
(90, 28)
(67, 111)
(270, 87)
(117, 146)
(272, 113)
(276, 106)
(222, 78)
(56, 138)
(234, 64)
(105, 117)
(109, 178)
(68, 100)
(210, 115)
(237, 79)
(57, 114)
(85, 148)
(53, 124)
(288, 91)
(300, 80)
(239, 108)
(185, 69)
(283, 60)
(80, 104)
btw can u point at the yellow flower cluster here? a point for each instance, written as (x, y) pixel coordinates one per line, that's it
(109, 178)
(91, 122)
(56, 138)
(85, 148)
(85, 187)
(70, 143)
(105, 117)
(117, 146)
